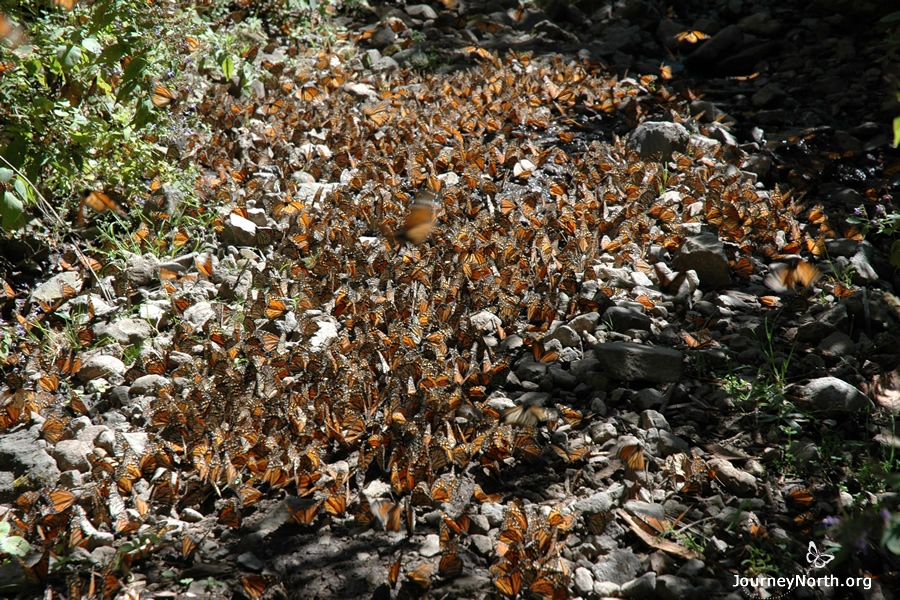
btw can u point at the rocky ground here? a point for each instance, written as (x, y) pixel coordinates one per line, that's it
(498, 302)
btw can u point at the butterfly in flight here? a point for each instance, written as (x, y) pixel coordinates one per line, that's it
(419, 221)
(786, 277)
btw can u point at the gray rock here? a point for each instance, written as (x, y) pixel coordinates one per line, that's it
(148, 385)
(705, 254)
(128, 332)
(142, 271)
(767, 95)
(618, 567)
(529, 369)
(628, 361)
(485, 322)
(649, 398)
(566, 336)
(562, 379)
(138, 441)
(431, 546)
(832, 395)
(708, 112)
(165, 201)
(585, 365)
(597, 503)
(739, 483)
(838, 344)
(623, 319)
(585, 323)
(584, 581)
(7, 487)
(51, 291)
(761, 24)
(238, 231)
(421, 11)
(482, 544)
(672, 587)
(23, 454)
(725, 42)
(642, 588)
(101, 365)
(651, 419)
(72, 455)
(198, 314)
(658, 138)
(494, 513)
(250, 562)
(669, 443)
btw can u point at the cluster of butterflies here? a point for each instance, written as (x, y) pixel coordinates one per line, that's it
(470, 216)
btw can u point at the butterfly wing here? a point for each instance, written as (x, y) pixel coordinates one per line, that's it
(419, 221)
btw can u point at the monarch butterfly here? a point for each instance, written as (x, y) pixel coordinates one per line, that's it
(387, 513)
(97, 201)
(308, 93)
(526, 415)
(256, 585)
(785, 277)
(669, 284)
(421, 575)
(394, 572)
(691, 36)
(632, 455)
(161, 96)
(60, 500)
(509, 585)
(450, 565)
(305, 513)
(66, 4)
(419, 221)
(377, 113)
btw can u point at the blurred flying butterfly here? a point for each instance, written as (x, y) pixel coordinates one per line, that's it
(817, 559)
(98, 201)
(387, 513)
(419, 221)
(787, 277)
(161, 96)
(377, 113)
(526, 415)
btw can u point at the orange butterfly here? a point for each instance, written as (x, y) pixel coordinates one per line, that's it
(419, 221)
(786, 277)
(162, 96)
(99, 202)
(691, 37)
(378, 113)
(387, 513)
(525, 415)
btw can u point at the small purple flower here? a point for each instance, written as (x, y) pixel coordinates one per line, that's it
(879, 209)
(858, 211)
(831, 521)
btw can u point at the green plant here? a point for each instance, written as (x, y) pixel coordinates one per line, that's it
(12, 545)
(75, 102)
(884, 222)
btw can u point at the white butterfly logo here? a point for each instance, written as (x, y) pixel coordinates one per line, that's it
(816, 559)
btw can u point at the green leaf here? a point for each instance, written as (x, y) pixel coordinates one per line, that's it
(894, 16)
(12, 211)
(92, 45)
(15, 545)
(69, 56)
(896, 131)
(228, 67)
(895, 253)
(20, 188)
(4, 529)
(5, 176)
